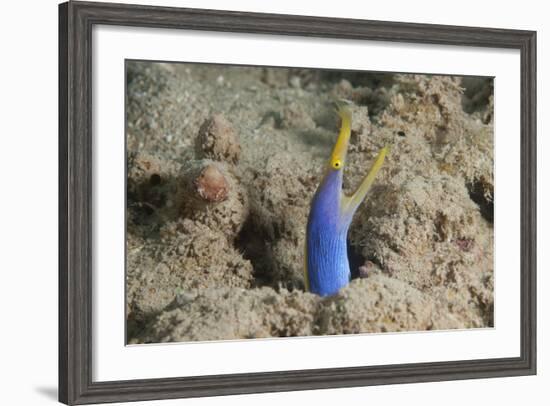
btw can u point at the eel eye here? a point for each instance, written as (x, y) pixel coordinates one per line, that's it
(337, 164)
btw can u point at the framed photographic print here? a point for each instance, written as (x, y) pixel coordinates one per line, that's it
(256, 202)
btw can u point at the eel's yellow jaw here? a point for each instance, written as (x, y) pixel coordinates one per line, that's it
(350, 203)
(338, 156)
(338, 160)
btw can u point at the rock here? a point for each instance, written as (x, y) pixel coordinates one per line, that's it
(217, 140)
(204, 181)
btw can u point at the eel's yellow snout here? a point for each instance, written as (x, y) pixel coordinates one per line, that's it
(338, 156)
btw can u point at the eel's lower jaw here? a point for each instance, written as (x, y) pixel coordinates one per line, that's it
(350, 203)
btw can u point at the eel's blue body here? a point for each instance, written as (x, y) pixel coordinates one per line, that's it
(327, 231)
(327, 267)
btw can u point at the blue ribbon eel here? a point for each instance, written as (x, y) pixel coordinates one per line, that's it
(327, 267)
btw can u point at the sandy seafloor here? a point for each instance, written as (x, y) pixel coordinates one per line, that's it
(223, 162)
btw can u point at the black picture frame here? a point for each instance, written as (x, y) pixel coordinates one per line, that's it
(76, 20)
